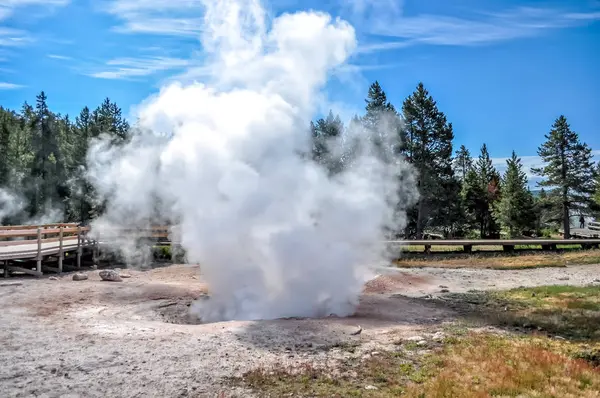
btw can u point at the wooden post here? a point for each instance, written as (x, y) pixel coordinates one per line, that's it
(39, 250)
(78, 246)
(6, 268)
(468, 248)
(60, 249)
(508, 248)
(427, 249)
(95, 252)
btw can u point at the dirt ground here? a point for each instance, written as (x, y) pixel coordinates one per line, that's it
(65, 338)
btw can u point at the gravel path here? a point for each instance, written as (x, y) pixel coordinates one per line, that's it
(91, 338)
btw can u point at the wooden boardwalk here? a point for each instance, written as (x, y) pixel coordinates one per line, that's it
(33, 249)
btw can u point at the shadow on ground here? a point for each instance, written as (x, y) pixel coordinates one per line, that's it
(376, 315)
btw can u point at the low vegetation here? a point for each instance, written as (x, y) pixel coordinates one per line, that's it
(467, 363)
(569, 312)
(476, 365)
(500, 260)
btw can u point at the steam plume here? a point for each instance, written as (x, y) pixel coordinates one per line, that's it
(274, 234)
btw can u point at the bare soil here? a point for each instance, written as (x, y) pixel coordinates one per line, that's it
(92, 338)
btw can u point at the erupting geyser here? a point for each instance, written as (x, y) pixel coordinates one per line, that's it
(275, 235)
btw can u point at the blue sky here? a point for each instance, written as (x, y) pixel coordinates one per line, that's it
(501, 71)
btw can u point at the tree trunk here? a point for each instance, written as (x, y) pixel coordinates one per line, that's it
(420, 219)
(566, 221)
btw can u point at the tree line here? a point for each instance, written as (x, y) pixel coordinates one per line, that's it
(465, 196)
(43, 160)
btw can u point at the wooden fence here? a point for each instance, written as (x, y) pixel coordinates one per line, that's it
(36, 242)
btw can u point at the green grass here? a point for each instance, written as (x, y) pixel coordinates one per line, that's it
(500, 260)
(571, 312)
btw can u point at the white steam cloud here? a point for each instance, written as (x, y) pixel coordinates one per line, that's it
(274, 234)
(11, 203)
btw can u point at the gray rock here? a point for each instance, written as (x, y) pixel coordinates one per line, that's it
(359, 331)
(53, 278)
(124, 275)
(444, 291)
(370, 387)
(80, 276)
(110, 275)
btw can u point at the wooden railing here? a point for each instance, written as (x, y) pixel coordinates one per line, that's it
(72, 237)
(37, 241)
(594, 226)
(507, 245)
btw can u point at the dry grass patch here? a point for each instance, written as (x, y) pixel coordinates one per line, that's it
(483, 366)
(500, 260)
(476, 365)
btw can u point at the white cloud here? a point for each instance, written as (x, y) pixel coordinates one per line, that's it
(9, 86)
(123, 68)
(13, 37)
(59, 57)
(173, 17)
(9, 7)
(377, 18)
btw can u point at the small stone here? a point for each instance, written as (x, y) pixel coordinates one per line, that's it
(443, 287)
(80, 276)
(109, 275)
(439, 336)
(421, 343)
(125, 276)
(559, 338)
(564, 278)
(415, 338)
(359, 331)
(596, 280)
(375, 353)
(444, 291)
(370, 387)
(53, 278)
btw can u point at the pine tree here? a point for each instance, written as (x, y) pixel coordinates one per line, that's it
(428, 147)
(569, 168)
(481, 191)
(325, 142)
(597, 189)
(5, 153)
(516, 208)
(108, 119)
(47, 176)
(382, 122)
(463, 162)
